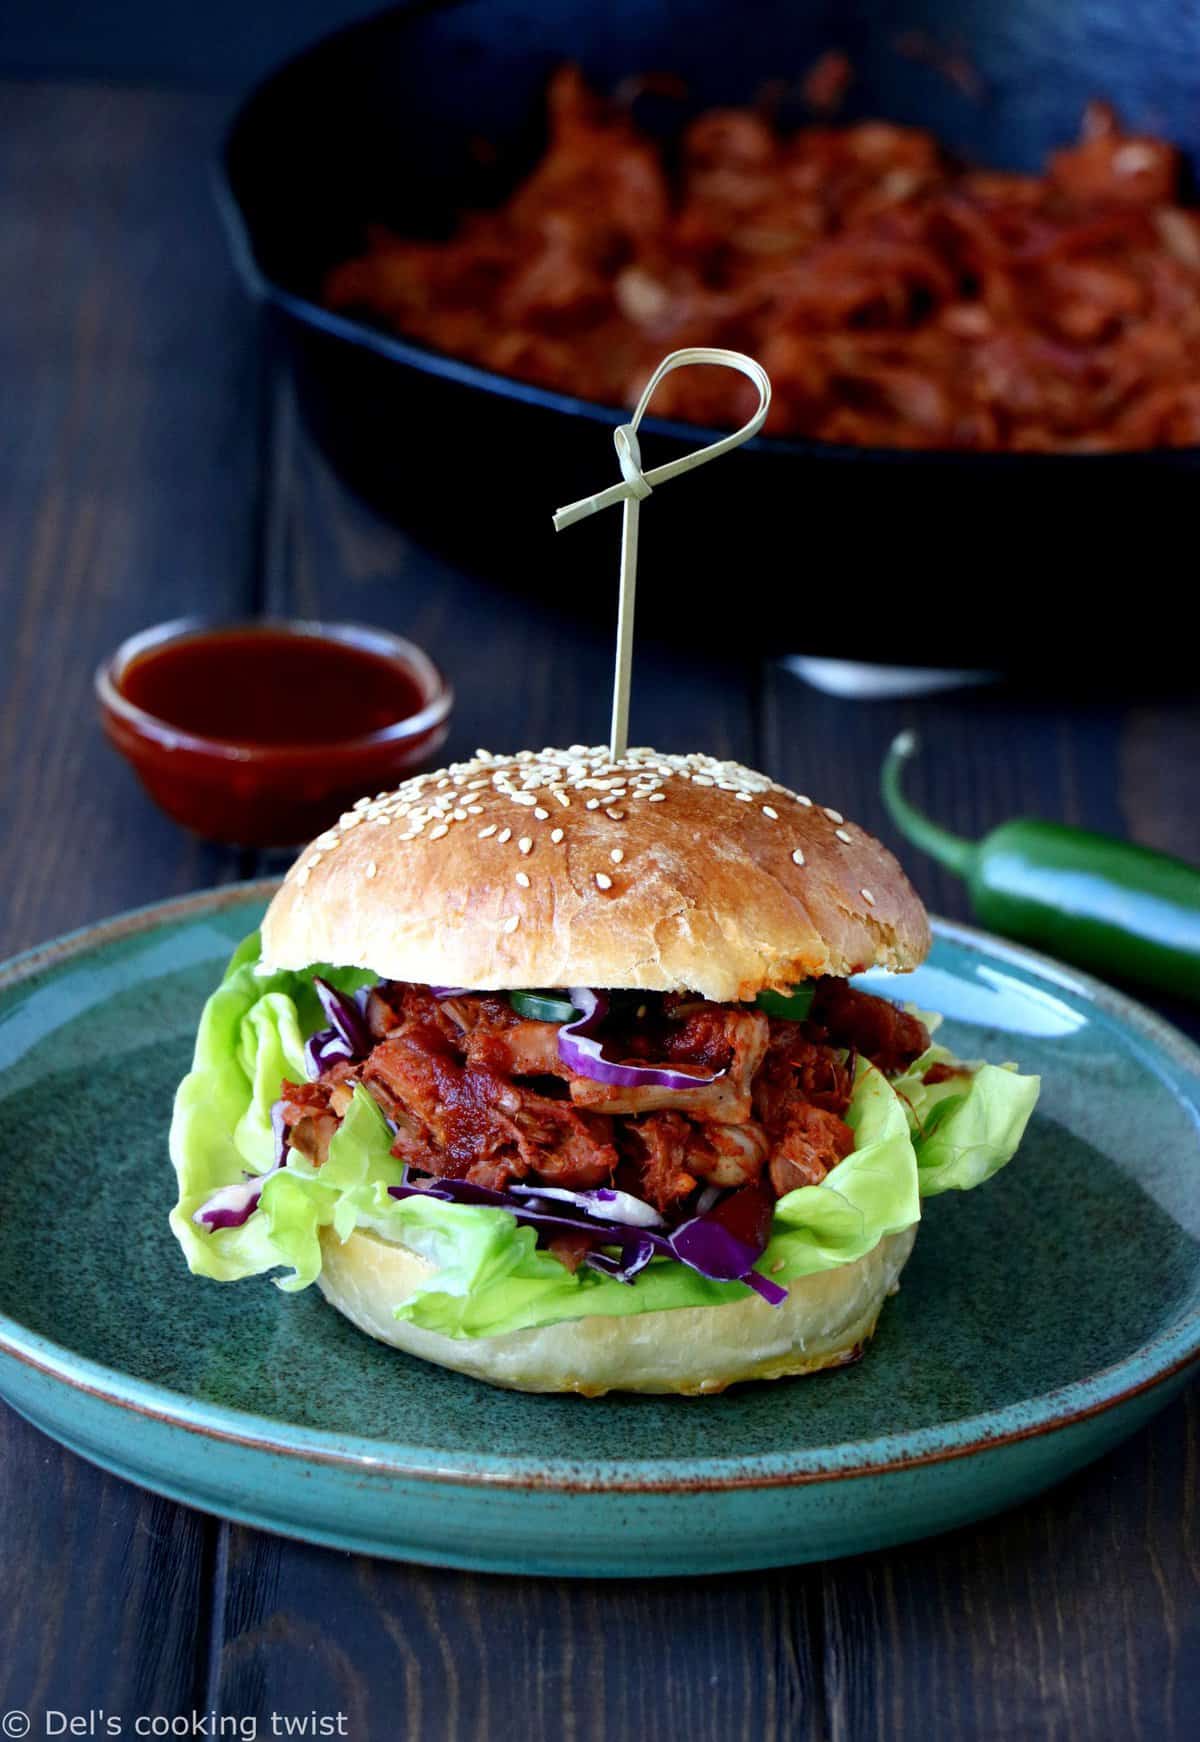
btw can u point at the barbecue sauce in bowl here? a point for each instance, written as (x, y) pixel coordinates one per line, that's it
(260, 734)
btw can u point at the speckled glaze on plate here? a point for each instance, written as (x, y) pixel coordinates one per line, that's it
(1041, 1320)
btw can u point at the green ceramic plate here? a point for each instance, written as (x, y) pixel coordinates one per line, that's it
(1042, 1318)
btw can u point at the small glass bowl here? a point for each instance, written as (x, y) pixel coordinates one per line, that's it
(270, 795)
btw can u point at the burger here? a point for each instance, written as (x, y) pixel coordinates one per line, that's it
(549, 1068)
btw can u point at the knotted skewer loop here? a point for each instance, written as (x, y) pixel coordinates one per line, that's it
(636, 485)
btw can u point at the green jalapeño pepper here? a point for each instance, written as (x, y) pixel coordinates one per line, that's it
(794, 1006)
(542, 1006)
(1120, 909)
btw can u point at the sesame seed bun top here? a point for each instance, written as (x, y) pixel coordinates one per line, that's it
(565, 868)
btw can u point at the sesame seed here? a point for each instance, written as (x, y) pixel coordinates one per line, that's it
(768, 812)
(603, 880)
(842, 836)
(617, 855)
(524, 845)
(436, 834)
(303, 876)
(504, 835)
(801, 798)
(314, 861)
(371, 867)
(618, 816)
(531, 778)
(512, 922)
(834, 816)
(797, 856)
(485, 833)
(523, 879)
(556, 835)
(867, 897)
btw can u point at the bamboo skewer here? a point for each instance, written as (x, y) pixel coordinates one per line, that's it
(636, 485)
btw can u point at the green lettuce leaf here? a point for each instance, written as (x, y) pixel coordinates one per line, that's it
(487, 1274)
(251, 1036)
(965, 1128)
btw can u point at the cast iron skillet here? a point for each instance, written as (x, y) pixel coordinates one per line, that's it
(1054, 562)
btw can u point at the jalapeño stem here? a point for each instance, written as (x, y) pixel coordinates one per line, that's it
(952, 850)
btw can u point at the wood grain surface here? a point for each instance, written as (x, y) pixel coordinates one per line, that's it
(152, 464)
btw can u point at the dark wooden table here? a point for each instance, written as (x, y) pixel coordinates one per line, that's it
(151, 465)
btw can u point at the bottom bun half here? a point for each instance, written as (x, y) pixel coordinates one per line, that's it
(824, 1322)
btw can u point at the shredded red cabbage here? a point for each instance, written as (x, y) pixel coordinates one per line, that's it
(579, 1049)
(773, 1293)
(346, 1015)
(532, 1210)
(605, 1201)
(347, 1037)
(625, 1267)
(322, 1049)
(727, 1241)
(723, 1245)
(230, 1206)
